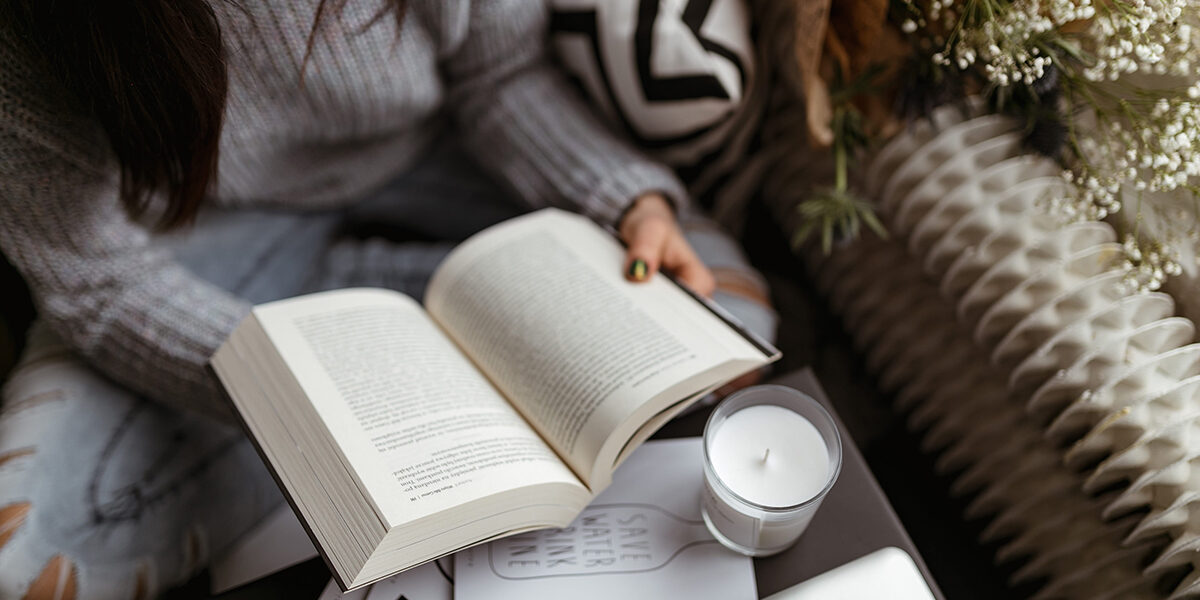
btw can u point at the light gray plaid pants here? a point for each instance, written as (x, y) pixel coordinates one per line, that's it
(105, 494)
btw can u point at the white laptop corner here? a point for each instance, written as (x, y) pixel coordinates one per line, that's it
(888, 573)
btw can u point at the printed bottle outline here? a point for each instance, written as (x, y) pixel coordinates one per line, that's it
(695, 534)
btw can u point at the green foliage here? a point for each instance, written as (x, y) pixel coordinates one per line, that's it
(836, 211)
(831, 211)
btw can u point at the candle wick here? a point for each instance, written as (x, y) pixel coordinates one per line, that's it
(766, 453)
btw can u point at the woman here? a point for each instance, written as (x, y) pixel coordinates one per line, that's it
(304, 129)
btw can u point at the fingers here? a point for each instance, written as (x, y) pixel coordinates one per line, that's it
(658, 244)
(654, 242)
(681, 260)
(647, 241)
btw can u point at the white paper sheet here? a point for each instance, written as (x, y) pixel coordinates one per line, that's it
(276, 544)
(643, 537)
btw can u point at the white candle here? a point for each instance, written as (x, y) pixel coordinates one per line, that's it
(770, 456)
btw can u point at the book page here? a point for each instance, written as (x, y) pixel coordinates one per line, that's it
(540, 305)
(421, 428)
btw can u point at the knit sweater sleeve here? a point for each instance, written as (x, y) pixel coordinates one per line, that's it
(528, 127)
(128, 309)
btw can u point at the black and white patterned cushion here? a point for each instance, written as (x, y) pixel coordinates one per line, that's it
(673, 74)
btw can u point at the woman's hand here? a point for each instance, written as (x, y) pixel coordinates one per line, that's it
(655, 242)
(653, 237)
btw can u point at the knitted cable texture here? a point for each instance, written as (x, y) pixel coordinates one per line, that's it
(371, 100)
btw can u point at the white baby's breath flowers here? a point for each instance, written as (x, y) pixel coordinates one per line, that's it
(1147, 264)
(1072, 205)
(1141, 36)
(1156, 152)
(1007, 44)
(1007, 39)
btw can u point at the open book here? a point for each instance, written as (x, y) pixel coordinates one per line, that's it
(400, 434)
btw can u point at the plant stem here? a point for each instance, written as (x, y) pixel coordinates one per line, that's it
(839, 150)
(840, 164)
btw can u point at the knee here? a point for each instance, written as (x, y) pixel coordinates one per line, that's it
(29, 569)
(32, 569)
(57, 579)
(32, 404)
(26, 573)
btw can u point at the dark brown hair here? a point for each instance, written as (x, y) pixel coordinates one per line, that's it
(153, 73)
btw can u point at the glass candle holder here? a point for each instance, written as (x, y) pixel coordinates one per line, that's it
(771, 455)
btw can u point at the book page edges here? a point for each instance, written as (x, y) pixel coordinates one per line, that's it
(257, 329)
(370, 483)
(226, 353)
(524, 513)
(433, 542)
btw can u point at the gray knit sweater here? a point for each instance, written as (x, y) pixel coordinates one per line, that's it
(370, 102)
